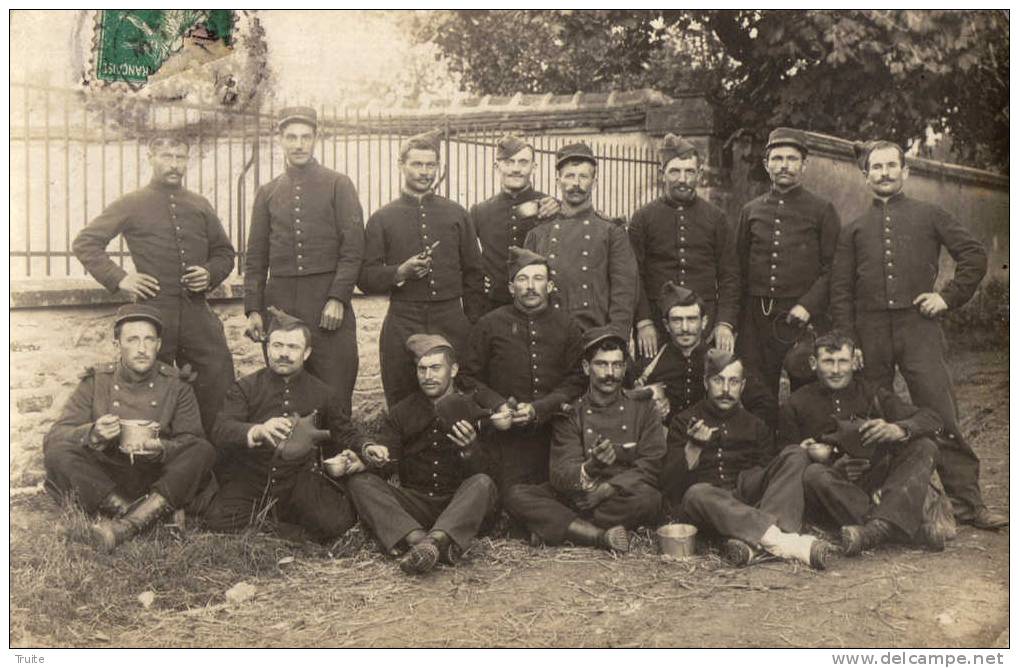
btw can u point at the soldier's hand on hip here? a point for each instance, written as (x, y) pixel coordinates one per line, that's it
(548, 207)
(413, 268)
(879, 431)
(798, 313)
(196, 278)
(463, 434)
(647, 340)
(106, 428)
(931, 304)
(255, 329)
(140, 285)
(725, 340)
(332, 315)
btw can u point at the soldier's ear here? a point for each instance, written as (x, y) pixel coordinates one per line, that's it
(307, 353)
(813, 362)
(454, 369)
(586, 366)
(905, 170)
(551, 286)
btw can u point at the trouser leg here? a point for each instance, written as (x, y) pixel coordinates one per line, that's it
(74, 471)
(472, 503)
(757, 344)
(720, 510)
(316, 504)
(832, 497)
(399, 379)
(921, 348)
(777, 489)
(520, 456)
(541, 510)
(633, 507)
(389, 511)
(239, 503)
(202, 344)
(902, 494)
(187, 472)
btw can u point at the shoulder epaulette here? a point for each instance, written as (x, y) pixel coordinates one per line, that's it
(639, 393)
(167, 370)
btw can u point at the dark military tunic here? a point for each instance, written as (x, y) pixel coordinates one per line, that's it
(785, 243)
(591, 262)
(684, 383)
(498, 228)
(886, 258)
(304, 495)
(548, 509)
(691, 245)
(168, 229)
(900, 472)
(738, 487)
(442, 486)
(535, 359)
(429, 305)
(305, 247)
(74, 466)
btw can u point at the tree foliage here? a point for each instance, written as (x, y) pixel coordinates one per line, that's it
(859, 74)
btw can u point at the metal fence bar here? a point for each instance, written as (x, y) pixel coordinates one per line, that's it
(28, 190)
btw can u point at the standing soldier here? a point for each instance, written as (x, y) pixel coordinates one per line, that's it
(84, 451)
(421, 250)
(180, 252)
(523, 359)
(883, 291)
(589, 256)
(304, 254)
(683, 238)
(785, 242)
(505, 219)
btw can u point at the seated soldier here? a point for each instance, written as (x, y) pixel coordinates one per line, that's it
(874, 484)
(523, 359)
(84, 451)
(606, 454)
(679, 364)
(444, 497)
(721, 474)
(268, 424)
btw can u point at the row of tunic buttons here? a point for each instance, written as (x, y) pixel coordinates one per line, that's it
(435, 444)
(176, 227)
(682, 249)
(774, 253)
(424, 238)
(534, 356)
(116, 402)
(551, 256)
(888, 255)
(721, 470)
(297, 229)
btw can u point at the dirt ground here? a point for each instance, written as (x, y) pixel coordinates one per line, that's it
(508, 594)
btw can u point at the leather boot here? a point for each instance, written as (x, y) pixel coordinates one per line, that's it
(737, 553)
(856, 538)
(582, 532)
(108, 534)
(114, 505)
(449, 552)
(410, 540)
(421, 557)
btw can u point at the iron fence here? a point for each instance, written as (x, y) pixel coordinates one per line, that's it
(71, 156)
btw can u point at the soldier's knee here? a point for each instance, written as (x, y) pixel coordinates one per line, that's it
(815, 476)
(697, 495)
(925, 447)
(795, 455)
(648, 501)
(517, 496)
(365, 480)
(61, 457)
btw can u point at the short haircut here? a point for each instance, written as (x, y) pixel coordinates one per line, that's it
(880, 145)
(419, 144)
(767, 151)
(692, 153)
(168, 140)
(833, 341)
(694, 300)
(290, 327)
(120, 325)
(446, 351)
(607, 345)
(575, 161)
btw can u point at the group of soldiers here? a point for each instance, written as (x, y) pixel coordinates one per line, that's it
(586, 376)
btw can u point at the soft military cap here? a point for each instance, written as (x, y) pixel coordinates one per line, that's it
(280, 319)
(676, 295)
(596, 335)
(676, 146)
(129, 312)
(577, 151)
(787, 137)
(508, 146)
(520, 258)
(420, 345)
(715, 360)
(431, 141)
(297, 115)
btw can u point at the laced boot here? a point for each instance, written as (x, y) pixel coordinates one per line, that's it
(108, 534)
(409, 541)
(616, 539)
(114, 505)
(856, 538)
(421, 557)
(809, 550)
(449, 552)
(737, 553)
(582, 532)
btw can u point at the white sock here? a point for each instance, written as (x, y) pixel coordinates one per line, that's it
(787, 545)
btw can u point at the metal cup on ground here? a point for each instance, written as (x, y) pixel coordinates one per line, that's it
(678, 540)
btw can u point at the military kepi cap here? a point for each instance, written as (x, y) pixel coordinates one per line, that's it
(577, 151)
(430, 141)
(677, 295)
(280, 319)
(716, 359)
(676, 146)
(596, 335)
(297, 115)
(420, 345)
(129, 312)
(787, 137)
(520, 258)
(508, 146)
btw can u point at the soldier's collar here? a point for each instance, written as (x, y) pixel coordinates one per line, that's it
(897, 197)
(586, 210)
(298, 170)
(675, 204)
(515, 196)
(165, 187)
(713, 410)
(132, 376)
(413, 198)
(792, 192)
(828, 392)
(589, 398)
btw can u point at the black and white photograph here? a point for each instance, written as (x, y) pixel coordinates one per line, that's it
(496, 329)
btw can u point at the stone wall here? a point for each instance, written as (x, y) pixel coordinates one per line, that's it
(51, 346)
